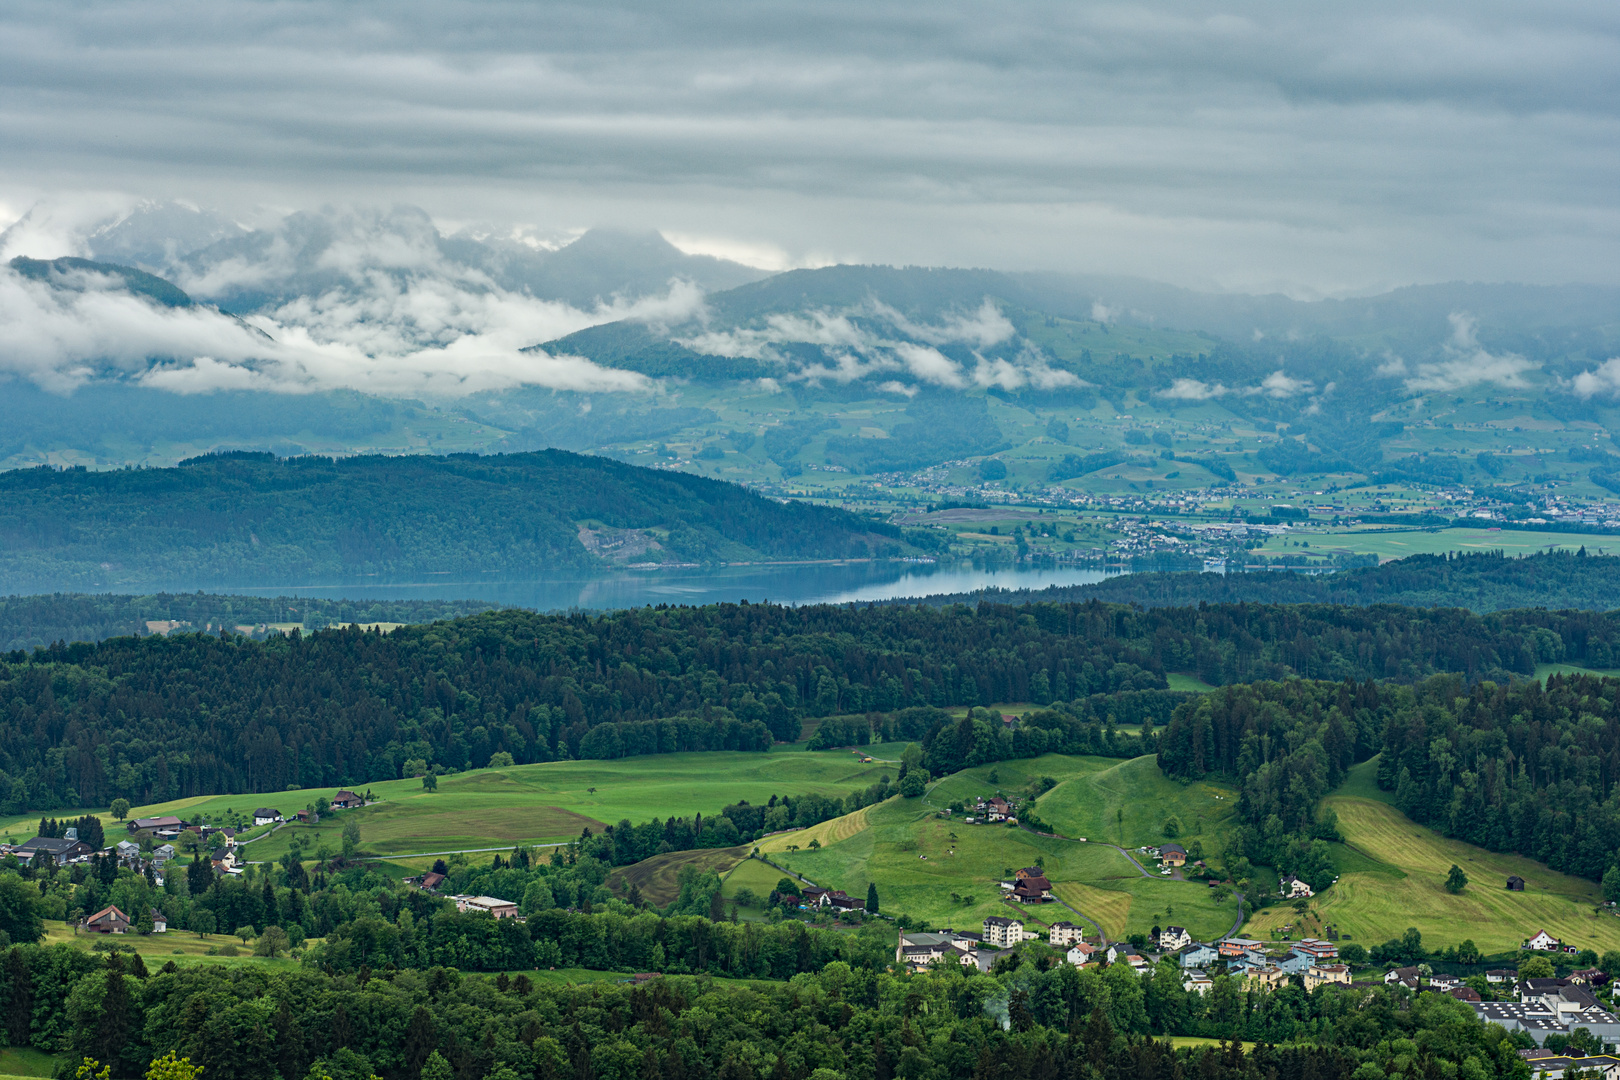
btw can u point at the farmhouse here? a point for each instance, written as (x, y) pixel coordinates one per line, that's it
(1172, 938)
(1032, 890)
(1291, 887)
(347, 800)
(1172, 854)
(1543, 942)
(266, 816)
(427, 882)
(109, 920)
(1029, 872)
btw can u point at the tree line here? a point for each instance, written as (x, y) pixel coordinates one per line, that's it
(1518, 767)
(153, 719)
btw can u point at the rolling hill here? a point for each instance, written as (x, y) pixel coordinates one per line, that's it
(253, 519)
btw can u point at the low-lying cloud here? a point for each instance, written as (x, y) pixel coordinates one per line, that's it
(422, 338)
(1278, 384)
(1467, 363)
(854, 347)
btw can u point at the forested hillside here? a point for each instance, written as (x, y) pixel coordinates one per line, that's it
(841, 1015)
(253, 519)
(158, 718)
(1482, 582)
(28, 622)
(1513, 768)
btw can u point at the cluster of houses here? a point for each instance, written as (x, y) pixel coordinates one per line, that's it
(1314, 960)
(68, 849)
(1544, 1006)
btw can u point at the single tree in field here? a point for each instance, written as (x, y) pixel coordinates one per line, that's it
(273, 942)
(120, 809)
(871, 897)
(246, 933)
(1456, 881)
(430, 781)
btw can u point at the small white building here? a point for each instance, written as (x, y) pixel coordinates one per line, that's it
(1080, 954)
(1543, 942)
(1291, 888)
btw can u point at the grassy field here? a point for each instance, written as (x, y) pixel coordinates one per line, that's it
(181, 946)
(947, 872)
(658, 878)
(1109, 909)
(23, 1061)
(489, 808)
(1544, 670)
(1400, 882)
(1398, 545)
(1120, 802)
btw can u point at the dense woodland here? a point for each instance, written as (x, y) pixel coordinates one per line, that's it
(1481, 582)
(1514, 768)
(154, 718)
(253, 519)
(842, 1021)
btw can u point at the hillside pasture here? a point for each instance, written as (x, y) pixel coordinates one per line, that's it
(1407, 889)
(948, 872)
(658, 878)
(181, 946)
(1123, 802)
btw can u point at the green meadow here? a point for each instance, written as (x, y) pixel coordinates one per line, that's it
(946, 871)
(1119, 802)
(1393, 873)
(545, 803)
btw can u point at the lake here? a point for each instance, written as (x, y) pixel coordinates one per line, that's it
(814, 583)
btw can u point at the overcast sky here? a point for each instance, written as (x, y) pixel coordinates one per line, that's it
(1331, 147)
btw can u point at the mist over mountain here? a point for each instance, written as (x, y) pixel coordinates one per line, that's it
(166, 330)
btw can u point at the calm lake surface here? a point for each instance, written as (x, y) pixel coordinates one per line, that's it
(825, 583)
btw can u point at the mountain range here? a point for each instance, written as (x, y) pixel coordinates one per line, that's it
(343, 331)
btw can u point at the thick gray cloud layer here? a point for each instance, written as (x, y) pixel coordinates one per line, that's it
(1310, 146)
